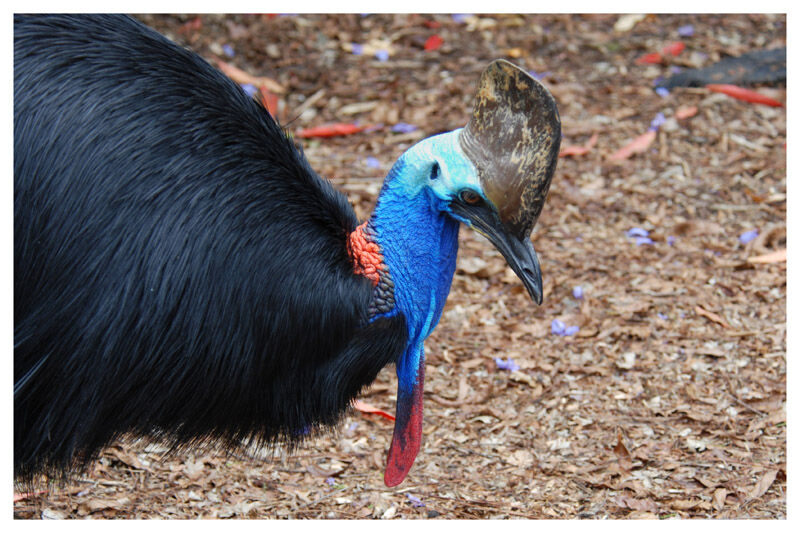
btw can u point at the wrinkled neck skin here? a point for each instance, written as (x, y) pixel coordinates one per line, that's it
(418, 238)
(419, 244)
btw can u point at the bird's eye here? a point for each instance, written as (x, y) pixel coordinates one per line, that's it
(435, 171)
(469, 197)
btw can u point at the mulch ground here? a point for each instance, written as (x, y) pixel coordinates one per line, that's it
(669, 398)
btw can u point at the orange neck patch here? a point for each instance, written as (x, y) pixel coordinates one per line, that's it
(366, 254)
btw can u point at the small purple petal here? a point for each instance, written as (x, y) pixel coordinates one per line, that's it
(330, 481)
(577, 292)
(402, 127)
(658, 121)
(572, 330)
(250, 89)
(642, 240)
(662, 316)
(509, 365)
(748, 236)
(663, 92)
(358, 49)
(372, 162)
(557, 327)
(686, 31)
(460, 17)
(637, 232)
(228, 50)
(382, 55)
(416, 502)
(670, 240)
(675, 69)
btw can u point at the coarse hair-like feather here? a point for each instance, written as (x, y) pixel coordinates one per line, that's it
(179, 270)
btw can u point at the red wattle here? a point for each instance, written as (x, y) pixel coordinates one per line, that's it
(407, 436)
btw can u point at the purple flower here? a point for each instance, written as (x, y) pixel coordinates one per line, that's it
(402, 127)
(382, 55)
(658, 121)
(637, 232)
(662, 316)
(748, 236)
(686, 31)
(538, 75)
(460, 17)
(250, 89)
(642, 240)
(663, 92)
(557, 327)
(577, 292)
(228, 50)
(415, 502)
(675, 69)
(509, 365)
(670, 240)
(372, 162)
(571, 330)
(330, 481)
(358, 49)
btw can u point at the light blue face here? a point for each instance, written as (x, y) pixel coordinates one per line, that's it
(440, 164)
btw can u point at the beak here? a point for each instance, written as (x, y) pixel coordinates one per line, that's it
(522, 259)
(517, 250)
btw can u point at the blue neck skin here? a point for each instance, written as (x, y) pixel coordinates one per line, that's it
(419, 237)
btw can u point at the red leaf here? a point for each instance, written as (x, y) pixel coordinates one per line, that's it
(741, 93)
(270, 100)
(579, 150)
(191, 26)
(364, 407)
(433, 42)
(240, 76)
(649, 59)
(639, 144)
(331, 130)
(686, 112)
(673, 49)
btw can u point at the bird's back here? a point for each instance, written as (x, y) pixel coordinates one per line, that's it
(179, 268)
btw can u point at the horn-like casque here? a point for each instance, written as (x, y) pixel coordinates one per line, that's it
(513, 140)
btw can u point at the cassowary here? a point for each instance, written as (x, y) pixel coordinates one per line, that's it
(181, 273)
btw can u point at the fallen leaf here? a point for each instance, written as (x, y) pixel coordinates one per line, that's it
(746, 95)
(763, 484)
(269, 99)
(673, 49)
(579, 150)
(332, 130)
(778, 256)
(364, 407)
(686, 112)
(433, 43)
(638, 145)
(240, 76)
(627, 22)
(711, 316)
(719, 498)
(652, 58)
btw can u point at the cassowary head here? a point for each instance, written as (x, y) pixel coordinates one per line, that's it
(493, 176)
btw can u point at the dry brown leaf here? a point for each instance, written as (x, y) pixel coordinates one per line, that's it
(778, 256)
(763, 484)
(719, 498)
(711, 316)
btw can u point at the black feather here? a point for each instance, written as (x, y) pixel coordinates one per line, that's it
(179, 269)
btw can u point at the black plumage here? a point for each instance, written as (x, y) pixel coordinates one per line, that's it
(179, 269)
